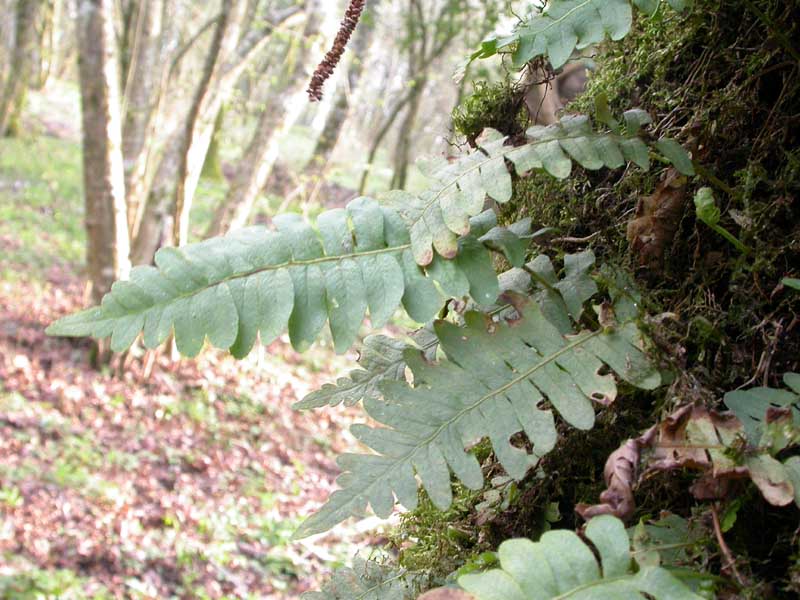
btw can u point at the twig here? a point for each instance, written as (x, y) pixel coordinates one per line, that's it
(726, 551)
(576, 240)
(785, 42)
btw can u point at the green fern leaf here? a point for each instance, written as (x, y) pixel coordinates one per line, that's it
(751, 405)
(257, 282)
(493, 384)
(437, 217)
(382, 357)
(562, 565)
(566, 25)
(367, 580)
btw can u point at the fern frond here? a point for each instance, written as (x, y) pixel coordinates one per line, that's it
(366, 580)
(493, 384)
(438, 216)
(382, 357)
(562, 565)
(566, 25)
(258, 281)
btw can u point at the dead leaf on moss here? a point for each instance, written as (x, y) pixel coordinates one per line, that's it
(620, 473)
(696, 438)
(656, 220)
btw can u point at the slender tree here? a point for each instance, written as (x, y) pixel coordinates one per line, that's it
(104, 183)
(140, 100)
(22, 66)
(426, 39)
(277, 117)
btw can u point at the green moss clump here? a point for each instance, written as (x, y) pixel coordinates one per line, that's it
(499, 106)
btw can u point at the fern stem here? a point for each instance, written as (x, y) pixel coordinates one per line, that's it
(706, 174)
(539, 279)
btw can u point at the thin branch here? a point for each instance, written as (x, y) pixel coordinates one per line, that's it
(190, 42)
(726, 551)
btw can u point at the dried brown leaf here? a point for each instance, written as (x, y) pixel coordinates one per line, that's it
(696, 438)
(656, 220)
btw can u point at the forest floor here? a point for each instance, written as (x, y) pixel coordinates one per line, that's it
(186, 483)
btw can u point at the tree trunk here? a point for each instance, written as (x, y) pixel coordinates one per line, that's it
(403, 151)
(22, 65)
(104, 181)
(259, 158)
(157, 221)
(206, 105)
(212, 166)
(185, 152)
(262, 152)
(376, 143)
(140, 101)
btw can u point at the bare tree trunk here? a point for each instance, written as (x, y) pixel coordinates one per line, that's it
(22, 65)
(403, 150)
(46, 46)
(185, 151)
(140, 101)
(259, 158)
(212, 166)
(104, 181)
(262, 152)
(156, 224)
(376, 143)
(205, 107)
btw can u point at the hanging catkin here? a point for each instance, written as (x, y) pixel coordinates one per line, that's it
(328, 64)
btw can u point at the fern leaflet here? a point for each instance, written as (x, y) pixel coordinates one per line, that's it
(493, 384)
(562, 565)
(382, 357)
(438, 216)
(566, 25)
(257, 281)
(366, 580)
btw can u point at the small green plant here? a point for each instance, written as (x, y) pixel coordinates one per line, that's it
(707, 211)
(11, 497)
(791, 282)
(562, 565)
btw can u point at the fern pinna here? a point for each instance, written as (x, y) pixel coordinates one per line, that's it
(258, 282)
(494, 383)
(568, 25)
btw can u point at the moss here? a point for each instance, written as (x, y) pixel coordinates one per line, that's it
(718, 79)
(437, 542)
(498, 106)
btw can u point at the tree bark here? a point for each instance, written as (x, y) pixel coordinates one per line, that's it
(140, 100)
(21, 68)
(403, 150)
(156, 225)
(205, 107)
(179, 161)
(277, 117)
(104, 181)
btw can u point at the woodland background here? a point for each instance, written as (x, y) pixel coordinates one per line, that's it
(184, 478)
(130, 125)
